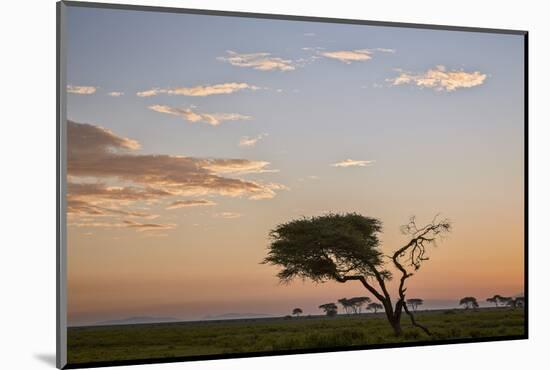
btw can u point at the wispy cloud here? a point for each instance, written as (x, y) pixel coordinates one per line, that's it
(200, 90)
(440, 79)
(228, 215)
(147, 226)
(258, 61)
(115, 93)
(352, 163)
(357, 55)
(188, 114)
(247, 141)
(191, 203)
(348, 56)
(81, 90)
(125, 224)
(309, 34)
(236, 166)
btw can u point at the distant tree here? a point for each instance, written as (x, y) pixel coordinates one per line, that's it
(498, 299)
(415, 302)
(345, 247)
(518, 302)
(469, 302)
(374, 307)
(330, 309)
(345, 304)
(297, 312)
(357, 303)
(494, 299)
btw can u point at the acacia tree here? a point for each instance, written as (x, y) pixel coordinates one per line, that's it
(415, 302)
(330, 309)
(496, 299)
(345, 304)
(357, 302)
(469, 302)
(345, 247)
(374, 306)
(516, 302)
(297, 312)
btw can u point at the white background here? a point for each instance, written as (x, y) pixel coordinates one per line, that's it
(27, 186)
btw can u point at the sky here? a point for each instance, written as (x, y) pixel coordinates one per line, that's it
(190, 137)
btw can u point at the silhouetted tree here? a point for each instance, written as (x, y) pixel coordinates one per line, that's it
(345, 247)
(496, 299)
(518, 302)
(330, 309)
(357, 302)
(374, 307)
(469, 302)
(345, 304)
(297, 311)
(415, 302)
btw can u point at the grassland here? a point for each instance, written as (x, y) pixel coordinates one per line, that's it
(153, 341)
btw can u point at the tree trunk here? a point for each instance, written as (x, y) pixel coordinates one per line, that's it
(396, 326)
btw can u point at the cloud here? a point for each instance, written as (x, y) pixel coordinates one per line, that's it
(235, 166)
(349, 56)
(440, 79)
(147, 226)
(125, 224)
(258, 61)
(188, 114)
(309, 34)
(96, 152)
(82, 207)
(191, 203)
(115, 93)
(201, 90)
(250, 141)
(81, 90)
(84, 137)
(109, 180)
(352, 163)
(228, 215)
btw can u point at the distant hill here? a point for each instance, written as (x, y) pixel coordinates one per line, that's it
(138, 320)
(236, 315)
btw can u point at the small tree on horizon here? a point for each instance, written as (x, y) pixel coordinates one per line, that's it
(330, 309)
(357, 303)
(345, 304)
(297, 312)
(516, 302)
(374, 306)
(415, 302)
(469, 302)
(346, 247)
(496, 299)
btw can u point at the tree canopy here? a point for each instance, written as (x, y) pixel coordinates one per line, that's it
(496, 299)
(354, 304)
(326, 247)
(415, 302)
(330, 309)
(469, 302)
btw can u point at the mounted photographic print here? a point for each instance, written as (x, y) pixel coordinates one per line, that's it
(236, 185)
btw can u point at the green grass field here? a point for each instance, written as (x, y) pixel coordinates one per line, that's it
(147, 341)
